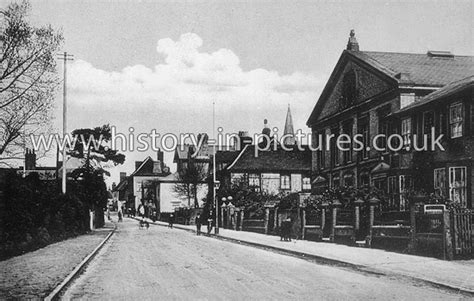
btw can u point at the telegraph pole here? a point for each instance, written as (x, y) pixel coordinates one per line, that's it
(216, 201)
(65, 57)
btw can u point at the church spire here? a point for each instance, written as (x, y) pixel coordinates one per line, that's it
(290, 140)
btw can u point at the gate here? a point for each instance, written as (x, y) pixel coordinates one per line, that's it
(461, 225)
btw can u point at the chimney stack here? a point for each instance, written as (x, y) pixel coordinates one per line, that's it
(123, 175)
(244, 140)
(159, 155)
(352, 44)
(30, 160)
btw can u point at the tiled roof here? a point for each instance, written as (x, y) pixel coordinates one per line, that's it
(226, 156)
(149, 168)
(420, 69)
(272, 161)
(204, 153)
(446, 91)
(122, 185)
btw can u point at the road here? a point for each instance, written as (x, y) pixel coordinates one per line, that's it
(164, 264)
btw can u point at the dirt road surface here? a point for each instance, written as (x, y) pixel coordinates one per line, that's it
(171, 264)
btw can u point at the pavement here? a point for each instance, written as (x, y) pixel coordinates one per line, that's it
(35, 274)
(171, 264)
(455, 275)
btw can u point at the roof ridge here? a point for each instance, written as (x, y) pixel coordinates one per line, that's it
(411, 53)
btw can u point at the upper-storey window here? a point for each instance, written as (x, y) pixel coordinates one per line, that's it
(254, 180)
(363, 129)
(349, 89)
(285, 182)
(306, 183)
(455, 120)
(406, 131)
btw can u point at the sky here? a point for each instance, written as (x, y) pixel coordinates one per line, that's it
(161, 64)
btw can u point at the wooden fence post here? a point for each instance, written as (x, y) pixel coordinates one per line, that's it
(303, 222)
(241, 217)
(234, 219)
(357, 204)
(373, 202)
(333, 224)
(267, 217)
(412, 243)
(447, 242)
(323, 218)
(275, 225)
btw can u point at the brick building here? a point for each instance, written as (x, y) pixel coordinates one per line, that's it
(281, 168)
(450, 111)
(361, 96)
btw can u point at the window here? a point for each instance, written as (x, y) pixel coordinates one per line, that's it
(349, 90)
(347, 154)
(306, 183)
(349, 180)
(320, 153)
(254, 180)
(439, 183)
(406, 99)
(385, 125)
(285, 182)
(406, 131)
(334, 149)
(363, 129)
(380, 183)
(392, 191)
(457, 185)
(364, 180)
(428, 123)
(405, 184)
(455, 120)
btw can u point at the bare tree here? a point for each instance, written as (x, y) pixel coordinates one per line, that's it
(27, 78)
(190, 179)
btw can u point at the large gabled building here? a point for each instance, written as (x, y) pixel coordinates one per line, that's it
(363, 92)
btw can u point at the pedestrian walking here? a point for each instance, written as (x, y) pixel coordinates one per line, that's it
(209, 225)
(198, 224)
(171, 221)
(120, 212)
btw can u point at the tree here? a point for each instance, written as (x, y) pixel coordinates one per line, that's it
(91, 146)
(27, 78)
(189, 179)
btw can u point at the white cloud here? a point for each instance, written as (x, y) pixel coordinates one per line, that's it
(176, 95)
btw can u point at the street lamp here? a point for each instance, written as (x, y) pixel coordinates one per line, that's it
(223, 206)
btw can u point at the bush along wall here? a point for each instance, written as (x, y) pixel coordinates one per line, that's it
(37, 214)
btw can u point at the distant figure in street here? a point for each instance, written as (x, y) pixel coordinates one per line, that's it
(171, 221)
(120, 212)
(108, 213)
(285, 230)
(209, 225)
(141, 210)
(198, 224)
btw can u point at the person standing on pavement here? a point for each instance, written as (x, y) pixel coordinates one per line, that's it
(119, 210)
(141, 210)
(171, 221)
(198, 224)
(209, 224)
